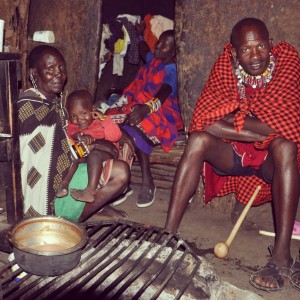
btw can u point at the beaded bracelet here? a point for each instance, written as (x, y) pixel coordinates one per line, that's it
(79, 137)
(154, 104)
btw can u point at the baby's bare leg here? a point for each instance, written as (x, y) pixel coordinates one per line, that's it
(63, 189)
(94, 166)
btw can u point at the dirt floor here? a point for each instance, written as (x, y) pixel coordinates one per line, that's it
(203, 227)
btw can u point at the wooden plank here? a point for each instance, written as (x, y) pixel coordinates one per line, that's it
(163, 175)
(9, 56)
(4, 155)
(159, 156)
(4, 243)
(10, 165)
(16, 189)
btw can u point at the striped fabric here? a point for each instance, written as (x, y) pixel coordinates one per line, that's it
(44, 151)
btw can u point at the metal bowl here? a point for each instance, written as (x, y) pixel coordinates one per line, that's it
(47, 245)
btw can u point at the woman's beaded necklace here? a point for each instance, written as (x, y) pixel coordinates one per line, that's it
(245, 79)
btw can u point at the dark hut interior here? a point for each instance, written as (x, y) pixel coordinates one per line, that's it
(201, 28)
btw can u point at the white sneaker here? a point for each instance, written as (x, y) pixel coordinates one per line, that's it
(123, 197)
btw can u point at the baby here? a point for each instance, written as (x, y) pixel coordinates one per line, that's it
(86, 126)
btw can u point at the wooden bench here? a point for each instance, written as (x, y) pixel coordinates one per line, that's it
(163, 168)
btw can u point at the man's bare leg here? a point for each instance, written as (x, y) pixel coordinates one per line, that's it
(285, 194)
(201, 146)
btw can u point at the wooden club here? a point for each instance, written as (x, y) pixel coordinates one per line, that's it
(221, 249)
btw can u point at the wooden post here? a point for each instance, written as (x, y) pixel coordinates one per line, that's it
(23, 38)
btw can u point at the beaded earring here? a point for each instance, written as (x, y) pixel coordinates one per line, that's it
(33, 83)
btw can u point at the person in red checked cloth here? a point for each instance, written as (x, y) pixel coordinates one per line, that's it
(150, 107)
(245, 132)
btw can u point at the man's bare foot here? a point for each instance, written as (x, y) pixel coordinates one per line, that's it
(113, 213)
(62, 191)
(271, 277)
(86, 195)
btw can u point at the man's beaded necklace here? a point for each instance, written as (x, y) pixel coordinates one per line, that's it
(245, 79)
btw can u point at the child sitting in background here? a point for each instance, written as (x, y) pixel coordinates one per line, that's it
(86, 126)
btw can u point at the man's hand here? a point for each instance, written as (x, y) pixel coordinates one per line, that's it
(255, 125)
(224, 130)
(229, 118)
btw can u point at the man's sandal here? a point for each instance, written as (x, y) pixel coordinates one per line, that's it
(295, 275)
(294, 270)
(273, 272)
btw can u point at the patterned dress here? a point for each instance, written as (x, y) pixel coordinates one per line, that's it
(44, 150)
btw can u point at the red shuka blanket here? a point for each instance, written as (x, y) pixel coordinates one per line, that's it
(276, 105)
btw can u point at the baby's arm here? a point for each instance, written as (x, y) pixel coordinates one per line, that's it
(98, 115)
(81, 137)
(112, 131)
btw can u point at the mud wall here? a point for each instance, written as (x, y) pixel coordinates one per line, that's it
(203, 27)
(76, 25)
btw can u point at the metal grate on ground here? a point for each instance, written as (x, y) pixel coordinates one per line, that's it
(123, 260)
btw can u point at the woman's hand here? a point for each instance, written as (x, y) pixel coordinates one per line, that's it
(137, 115)
(106, 146)
(126, 139)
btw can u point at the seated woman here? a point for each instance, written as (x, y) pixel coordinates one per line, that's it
(152, 108)
(45, 153)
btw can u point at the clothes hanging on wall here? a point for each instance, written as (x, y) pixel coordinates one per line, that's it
(133, 51)
(120, 37)
(159, 24)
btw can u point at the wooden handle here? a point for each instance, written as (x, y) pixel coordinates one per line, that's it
(242, 217)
